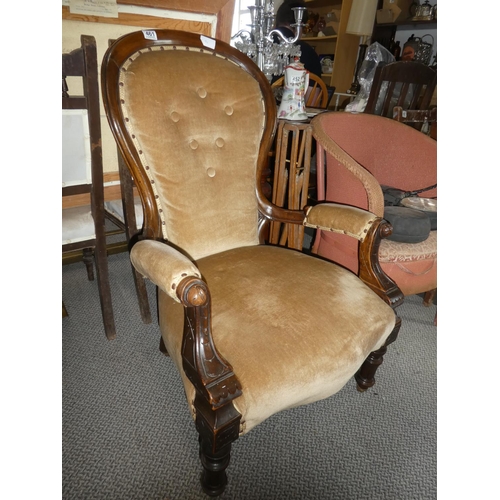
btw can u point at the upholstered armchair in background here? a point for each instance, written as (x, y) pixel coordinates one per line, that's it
(363, 152)
(253, 329)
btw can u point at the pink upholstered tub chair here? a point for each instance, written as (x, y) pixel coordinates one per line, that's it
(363, 152)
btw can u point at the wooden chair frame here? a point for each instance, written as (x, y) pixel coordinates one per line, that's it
(419, 116)
(82, 62)
(412, 77)
(215, 383)
(129, 226)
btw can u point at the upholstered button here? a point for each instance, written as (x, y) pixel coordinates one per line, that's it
(202, 92)
(220, 142)
(211, 172)
(229, 110)
(194, 144)
(175, 116)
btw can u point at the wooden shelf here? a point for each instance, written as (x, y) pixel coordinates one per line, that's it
(342, 45)
(409, 23)
(314, 4)
(319, 38)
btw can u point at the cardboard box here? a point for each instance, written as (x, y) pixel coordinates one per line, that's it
(385, 16)
(401, 9)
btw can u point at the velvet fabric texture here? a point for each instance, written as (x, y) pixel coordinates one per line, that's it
(297, 349)
(363, 152)
(329, 216)
(188, 165)
(294, 328)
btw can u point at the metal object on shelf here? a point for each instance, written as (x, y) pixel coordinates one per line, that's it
(259, 45)
(424, 12)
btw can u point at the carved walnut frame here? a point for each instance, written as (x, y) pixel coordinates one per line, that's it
(216, 385)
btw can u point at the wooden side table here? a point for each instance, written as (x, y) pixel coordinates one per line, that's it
(292, 169)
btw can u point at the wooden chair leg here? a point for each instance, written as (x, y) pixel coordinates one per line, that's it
(142, 296)
(88, 259)
(214, 477)
(101, 261)
(128, 206)
(365, 376)
(429, 297)
(163, 347)
(217, 429)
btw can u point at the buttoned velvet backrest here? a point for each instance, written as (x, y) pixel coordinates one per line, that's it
(194, 120)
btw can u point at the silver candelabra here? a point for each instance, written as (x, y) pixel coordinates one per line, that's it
(258, 43)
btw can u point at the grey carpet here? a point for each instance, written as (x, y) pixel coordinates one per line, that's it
(127, 432)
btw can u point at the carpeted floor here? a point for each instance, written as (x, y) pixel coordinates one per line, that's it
(127, 432)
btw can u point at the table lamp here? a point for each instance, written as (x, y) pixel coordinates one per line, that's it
(361, 19)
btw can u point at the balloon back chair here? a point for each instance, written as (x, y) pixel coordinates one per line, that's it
(253, 329)
(362, 153)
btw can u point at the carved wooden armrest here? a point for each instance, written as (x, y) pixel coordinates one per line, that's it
(369, 230)
(170, 270)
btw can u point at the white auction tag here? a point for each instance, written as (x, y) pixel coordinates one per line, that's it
(150, 34)
(207, 42)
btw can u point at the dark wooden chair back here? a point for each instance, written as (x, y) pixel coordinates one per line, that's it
(82, 62)
(408, 84)
(424, 117)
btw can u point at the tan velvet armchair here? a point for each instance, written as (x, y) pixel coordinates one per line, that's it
(252, 328)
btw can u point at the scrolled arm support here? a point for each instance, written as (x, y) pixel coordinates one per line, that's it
(370, 271)
(369, 230)
(211, 375)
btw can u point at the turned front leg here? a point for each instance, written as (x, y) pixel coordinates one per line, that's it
(217, 429)
(365, 376)
(214, 477)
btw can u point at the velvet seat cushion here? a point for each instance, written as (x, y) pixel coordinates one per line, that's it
(286, 347)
